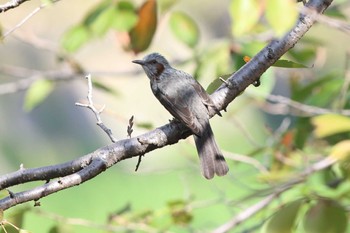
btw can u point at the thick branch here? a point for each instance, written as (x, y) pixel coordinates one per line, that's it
(90, 165)
(11, 4)
(251, 71)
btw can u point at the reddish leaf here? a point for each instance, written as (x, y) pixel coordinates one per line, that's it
(141, 35)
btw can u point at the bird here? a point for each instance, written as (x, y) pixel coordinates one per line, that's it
(189, 103)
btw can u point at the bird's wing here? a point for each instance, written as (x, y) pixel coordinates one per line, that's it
(205, 96)
(179, 108)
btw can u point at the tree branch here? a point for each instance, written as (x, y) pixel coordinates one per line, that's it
(252, 210)
(80, 170)
(11, 4)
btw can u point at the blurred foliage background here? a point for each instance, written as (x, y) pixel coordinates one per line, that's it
(270, 134)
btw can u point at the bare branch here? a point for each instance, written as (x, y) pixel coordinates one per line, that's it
(252, 70)
(252, 210)
(285, 105)
(96, 112)
(331, 22)
(23, 21)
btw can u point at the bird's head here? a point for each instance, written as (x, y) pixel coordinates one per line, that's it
(153, 64)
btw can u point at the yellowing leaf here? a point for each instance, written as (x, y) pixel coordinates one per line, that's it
(184, 28)
(281, 15)
(330, 124)
(341, 150)
(37, 93)
(141, 35)
(245, 15)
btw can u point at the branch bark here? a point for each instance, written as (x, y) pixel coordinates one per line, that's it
(11, 4)
(82, 169)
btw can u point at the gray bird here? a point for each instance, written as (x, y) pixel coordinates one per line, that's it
(189, 103)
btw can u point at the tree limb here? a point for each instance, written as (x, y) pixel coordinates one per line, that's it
(11, 4)
(82, 169)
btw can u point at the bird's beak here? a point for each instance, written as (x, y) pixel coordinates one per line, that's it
(140, 62)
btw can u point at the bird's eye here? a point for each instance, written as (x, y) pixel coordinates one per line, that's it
(153, 62)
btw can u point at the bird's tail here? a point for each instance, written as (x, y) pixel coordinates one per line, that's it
(211, 159)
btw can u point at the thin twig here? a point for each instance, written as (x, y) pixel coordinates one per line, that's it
(252, 210)
(96, 112)
(23, 21)
(128, 226)
(303, 109)
(246, 159)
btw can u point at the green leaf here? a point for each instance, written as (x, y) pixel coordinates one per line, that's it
(104, 87)
(245, 15)
(326, 216)
(184, 28)
(305, 54)
(179, 212)
(284, 220)
(165, 5)
(75, 38)
(216, 83)
(330, 124)
(37, 93)
(96, 12)
(16, 218)
(145, 125)
(281, 15)
(125, 17)
(213, 62)
(288, 64)
(142, 34)
(102, 22)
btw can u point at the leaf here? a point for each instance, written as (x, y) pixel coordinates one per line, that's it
(288, 64)
(216, 83)
(341, 150)
(145, 125)
(330, 124)
(96, 12)
(125, 17)
(281, 15)
(102, 22)
(16, 218)
(305, 54)
(184, 28)
(245, 15)
(284, 220)
(104, 87)
(75, 38)
(326, 216)
(165, 5)
(179, 212)
(37, 93)
(142, 34)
